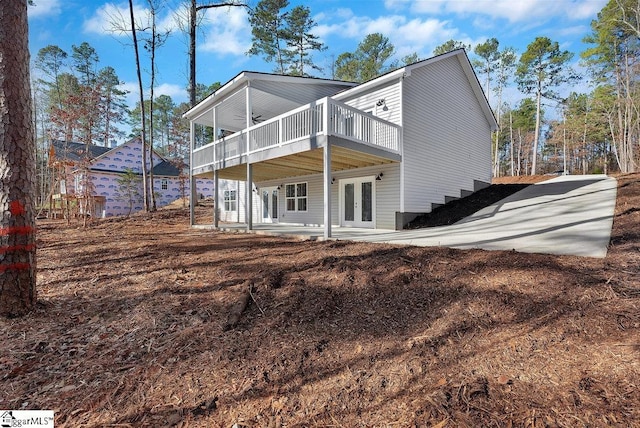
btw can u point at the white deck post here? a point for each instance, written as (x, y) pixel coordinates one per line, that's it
(215, 170)
(327, 189)
(216, 199)
(249, 209)
(192, 181)
(248, 212)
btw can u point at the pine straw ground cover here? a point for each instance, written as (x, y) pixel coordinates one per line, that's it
(141, 322)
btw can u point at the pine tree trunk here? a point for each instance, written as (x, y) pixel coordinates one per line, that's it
(152, 192)
(193, 11)
(17, 165)
(143, 136)
(511, 142)
(536, 138)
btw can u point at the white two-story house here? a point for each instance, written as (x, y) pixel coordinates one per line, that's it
(329, 153)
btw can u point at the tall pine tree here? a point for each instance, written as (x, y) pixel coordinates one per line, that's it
(17, 165)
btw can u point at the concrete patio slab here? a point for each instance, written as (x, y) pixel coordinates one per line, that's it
(567, 215)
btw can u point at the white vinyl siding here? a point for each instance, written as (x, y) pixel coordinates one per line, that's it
(447, 138)
(389, 110)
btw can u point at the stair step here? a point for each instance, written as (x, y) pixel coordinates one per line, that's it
(463, 194)
(448, 199)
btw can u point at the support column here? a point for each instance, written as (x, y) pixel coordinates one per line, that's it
(215, 170)
(192, 181)
(327, 189)
(248, 106)
(249, 208)
(216, 199)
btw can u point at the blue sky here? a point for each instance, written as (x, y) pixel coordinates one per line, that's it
(225, 36)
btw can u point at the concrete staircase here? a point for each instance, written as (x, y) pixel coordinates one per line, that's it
(477, 185)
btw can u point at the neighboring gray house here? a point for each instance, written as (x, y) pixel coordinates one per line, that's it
(322, 152)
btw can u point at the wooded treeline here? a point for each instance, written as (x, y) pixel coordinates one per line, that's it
(550, 128)
(76, 98)
(580, 133)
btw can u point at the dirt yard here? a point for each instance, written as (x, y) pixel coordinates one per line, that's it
(146, 322)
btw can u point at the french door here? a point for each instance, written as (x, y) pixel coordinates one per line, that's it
(357, 202)
(269, 205)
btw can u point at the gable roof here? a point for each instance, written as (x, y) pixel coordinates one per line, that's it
(76, 152)
(166, 168)
(255, 79)
(348, 88)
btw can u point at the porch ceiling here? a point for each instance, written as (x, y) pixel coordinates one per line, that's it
(232, 111)
(305, 163)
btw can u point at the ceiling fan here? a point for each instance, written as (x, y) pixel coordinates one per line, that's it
(255, 119)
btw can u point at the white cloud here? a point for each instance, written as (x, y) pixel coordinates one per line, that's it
(131, 88)
(585, 9)
(44, 8)
(177, 93)
(407, 35)
(482, 22)
(396, 5)
(115, 19)
(513, 11)
(108, 19)
(346, 24)
(227, 31)
(420, 31)
(578, 30)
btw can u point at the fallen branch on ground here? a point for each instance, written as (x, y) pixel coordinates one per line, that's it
(239, 307)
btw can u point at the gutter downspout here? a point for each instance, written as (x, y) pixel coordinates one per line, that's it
(401, 147)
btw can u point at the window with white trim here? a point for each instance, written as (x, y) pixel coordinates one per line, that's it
(164, 184)
(296, 196)
(230, 200)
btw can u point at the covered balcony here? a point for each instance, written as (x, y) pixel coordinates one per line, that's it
(291, 144)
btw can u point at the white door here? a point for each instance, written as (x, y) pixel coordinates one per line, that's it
(269, 205)
(357, 202)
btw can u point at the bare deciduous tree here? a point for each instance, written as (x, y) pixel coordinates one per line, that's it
(194, 8)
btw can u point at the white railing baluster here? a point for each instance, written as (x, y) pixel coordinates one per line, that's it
(326, 116)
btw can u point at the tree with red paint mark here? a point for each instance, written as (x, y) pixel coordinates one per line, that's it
(17, 165)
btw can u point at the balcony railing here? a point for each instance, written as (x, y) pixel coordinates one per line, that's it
(324, 117)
